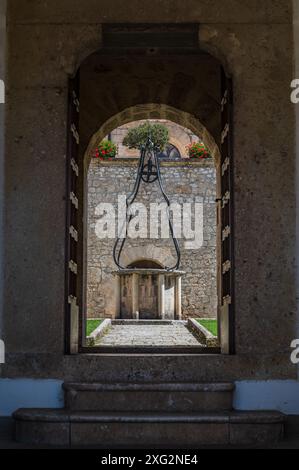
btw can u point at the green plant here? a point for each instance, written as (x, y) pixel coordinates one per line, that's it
(106, 150)
(198, 150)
(91, 326)
(137, 137)
(210, 325)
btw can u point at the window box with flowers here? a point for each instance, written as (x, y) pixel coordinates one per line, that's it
(198, 150)
(105, 151)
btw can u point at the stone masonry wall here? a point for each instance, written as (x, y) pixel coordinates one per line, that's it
(184, 182)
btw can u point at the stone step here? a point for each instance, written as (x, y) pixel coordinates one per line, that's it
(60, 428)
(164, 397)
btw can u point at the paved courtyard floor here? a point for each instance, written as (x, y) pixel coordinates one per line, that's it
(173, 334)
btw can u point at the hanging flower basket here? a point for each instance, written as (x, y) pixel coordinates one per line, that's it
(198, 150)
(106, 150)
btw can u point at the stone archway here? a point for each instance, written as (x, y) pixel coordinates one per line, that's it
(186, 120)
(144, 112)
(144, 251)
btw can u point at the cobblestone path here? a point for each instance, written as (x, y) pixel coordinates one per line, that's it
(173, 334)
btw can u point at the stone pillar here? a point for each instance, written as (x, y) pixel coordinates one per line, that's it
(161, 296)
(135, 296)
(2, 77)
(178, 298)
(117, 306)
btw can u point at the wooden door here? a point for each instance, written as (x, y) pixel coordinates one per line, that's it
(226, 220)
(72, 222)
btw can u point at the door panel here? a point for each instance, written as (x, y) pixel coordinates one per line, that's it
(72, 235)
(226, 214)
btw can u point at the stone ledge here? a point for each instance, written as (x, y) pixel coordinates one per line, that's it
(59, 416)
(204, 335)
(157, 367)
(179, 430)
(98, 333)
(146, 322)
(145, 271)
(171, 163)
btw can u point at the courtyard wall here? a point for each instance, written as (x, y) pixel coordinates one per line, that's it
(184, 182)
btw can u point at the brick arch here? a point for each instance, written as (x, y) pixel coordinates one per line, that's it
(145, 111)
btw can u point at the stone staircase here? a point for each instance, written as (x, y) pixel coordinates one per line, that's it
(166, 415)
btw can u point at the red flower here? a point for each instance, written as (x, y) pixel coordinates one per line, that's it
(105, 150)
(197, 150)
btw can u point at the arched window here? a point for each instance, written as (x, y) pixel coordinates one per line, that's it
(171, 152)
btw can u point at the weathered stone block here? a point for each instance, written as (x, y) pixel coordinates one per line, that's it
(173, 435)
(43, 433)
(219, 11)
(181, 398)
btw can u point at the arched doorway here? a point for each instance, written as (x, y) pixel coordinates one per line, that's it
(213, 117)
(186, 182)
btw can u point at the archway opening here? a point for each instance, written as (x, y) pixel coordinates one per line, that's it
(191, 91)
(191, 184)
